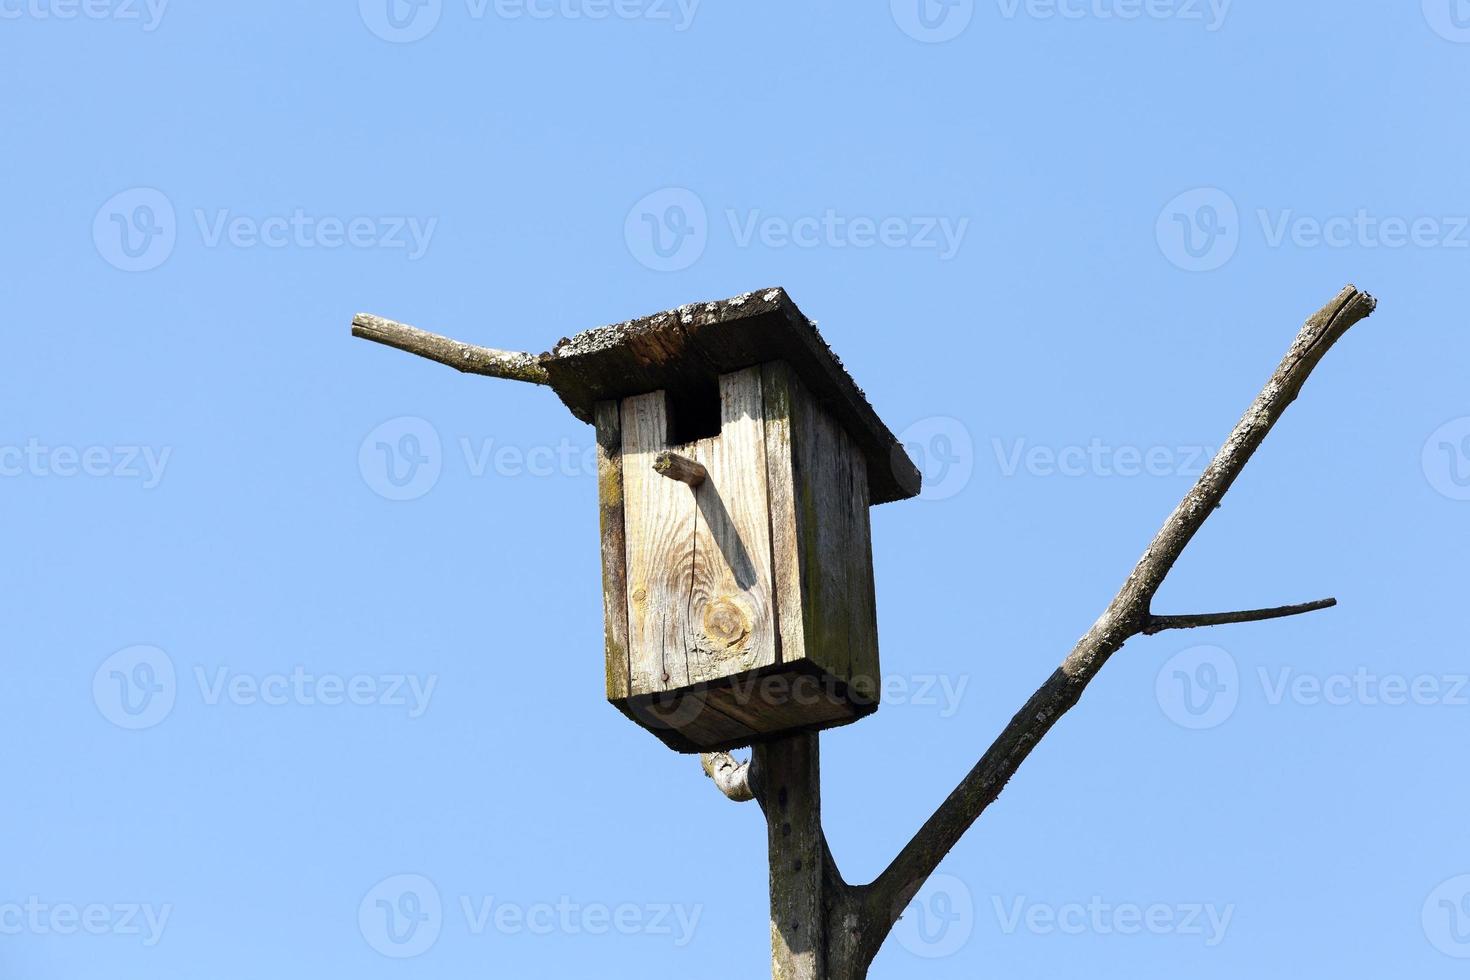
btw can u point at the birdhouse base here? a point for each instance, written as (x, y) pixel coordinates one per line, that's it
(747, 708)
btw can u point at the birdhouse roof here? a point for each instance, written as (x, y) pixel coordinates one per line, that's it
(687, 347)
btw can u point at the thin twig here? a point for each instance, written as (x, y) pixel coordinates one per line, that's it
(510, 365)
(1157, 624)
(1126, 616)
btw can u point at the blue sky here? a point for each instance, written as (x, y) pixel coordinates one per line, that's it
(271, 713)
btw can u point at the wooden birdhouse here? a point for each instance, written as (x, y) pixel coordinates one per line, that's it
(737, 461)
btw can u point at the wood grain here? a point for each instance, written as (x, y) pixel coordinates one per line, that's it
(730, 619)
(659, 518)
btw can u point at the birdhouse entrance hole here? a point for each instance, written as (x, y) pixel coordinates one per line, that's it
(694, 413)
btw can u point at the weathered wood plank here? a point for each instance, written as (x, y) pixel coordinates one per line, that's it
(687, 721)
(862, 605)
(779, 405)
(819, 444)
(659, 517)
(731, 626)
(607, 417)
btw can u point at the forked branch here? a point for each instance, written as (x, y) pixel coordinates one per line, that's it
(1126, 616)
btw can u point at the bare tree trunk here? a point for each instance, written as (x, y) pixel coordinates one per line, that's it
(788, 785)
(820, 926)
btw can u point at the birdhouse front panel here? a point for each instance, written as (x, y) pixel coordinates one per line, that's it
(698, 557)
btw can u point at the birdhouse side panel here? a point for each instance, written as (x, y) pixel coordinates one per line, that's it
(821, 538)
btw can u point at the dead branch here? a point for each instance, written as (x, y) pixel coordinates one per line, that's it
(1157, 624)
(510, 365)
(1126, 616)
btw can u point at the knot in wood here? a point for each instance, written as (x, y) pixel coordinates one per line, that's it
(726, 623)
